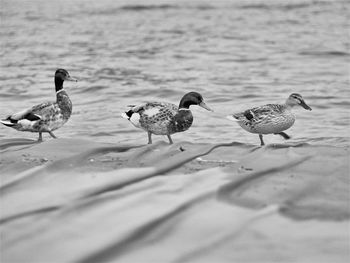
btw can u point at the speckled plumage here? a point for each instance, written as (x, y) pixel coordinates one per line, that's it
(161, 118)
(52, 114)
(270, 118)
(168, 119)
(47, 116)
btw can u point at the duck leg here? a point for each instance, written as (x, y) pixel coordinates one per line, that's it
(52, 135)
(261, 140)
(284, 135)
(149, 138)
(40, 139)
(170, 140)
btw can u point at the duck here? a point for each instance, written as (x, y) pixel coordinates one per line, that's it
(47, 116)
(270, 118)
(162, 118)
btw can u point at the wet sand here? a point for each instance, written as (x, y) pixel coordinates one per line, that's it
(71, 200)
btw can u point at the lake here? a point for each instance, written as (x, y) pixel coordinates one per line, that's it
(237, 54)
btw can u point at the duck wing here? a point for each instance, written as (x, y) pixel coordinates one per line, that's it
(153, 108)
(46, 110)
(35, 113)
(153, 112)
(259, 114)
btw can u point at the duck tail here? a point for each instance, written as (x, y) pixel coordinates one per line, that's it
(127, 115)
(232, 117)
(8, 122)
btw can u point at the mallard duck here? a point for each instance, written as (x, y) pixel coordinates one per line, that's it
(47, 116)
(163, 118)
(270, 118)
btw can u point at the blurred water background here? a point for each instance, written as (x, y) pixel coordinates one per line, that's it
(237, 54)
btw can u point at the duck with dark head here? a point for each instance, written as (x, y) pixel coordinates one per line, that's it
(163, 118)
(47, 116)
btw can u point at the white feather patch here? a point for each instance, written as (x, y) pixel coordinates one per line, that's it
(38, 116)
(26, 124)
(135, 120)
(151, 112)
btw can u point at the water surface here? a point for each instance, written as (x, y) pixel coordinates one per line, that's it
(237, 54)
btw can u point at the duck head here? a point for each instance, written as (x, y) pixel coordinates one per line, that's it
(297, 99)
(60, 76)
(193, 98)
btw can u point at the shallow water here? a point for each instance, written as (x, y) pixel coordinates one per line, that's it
(236, 54)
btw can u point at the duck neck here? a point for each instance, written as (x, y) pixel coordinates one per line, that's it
(289, 105)
(184, 104)
(58, 84)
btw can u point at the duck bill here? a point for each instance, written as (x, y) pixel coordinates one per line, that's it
(203, 105)
(69, 78)
(304, 105)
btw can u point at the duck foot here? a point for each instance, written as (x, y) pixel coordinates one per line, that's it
(284, 135)
(149, 138)
(170, 140)
(261, 140)
(40, 139)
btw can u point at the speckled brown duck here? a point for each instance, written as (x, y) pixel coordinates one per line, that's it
(47, 116)
(161, 118)
(270, 118)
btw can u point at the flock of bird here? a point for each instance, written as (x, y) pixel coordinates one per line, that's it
(157, 118)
